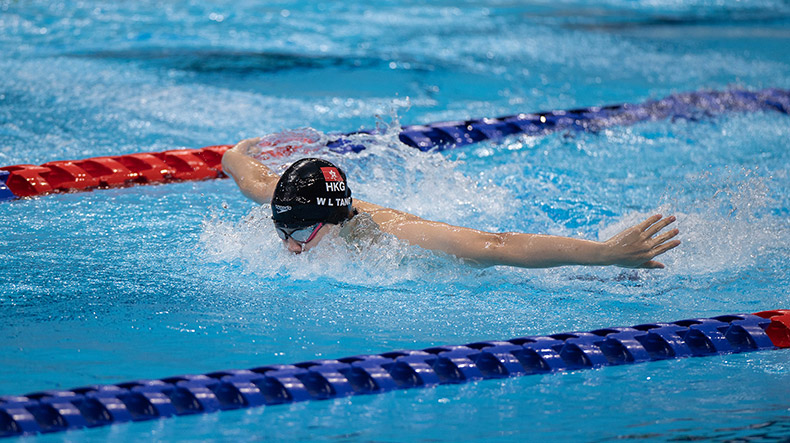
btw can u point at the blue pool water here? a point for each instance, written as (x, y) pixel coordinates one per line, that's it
(155, 281)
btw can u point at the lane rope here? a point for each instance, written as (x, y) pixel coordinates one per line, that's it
(139, 400)
(25, 180)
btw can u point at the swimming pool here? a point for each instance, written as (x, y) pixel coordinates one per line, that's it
(157, 281)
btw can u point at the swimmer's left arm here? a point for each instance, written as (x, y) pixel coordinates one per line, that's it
(255, 180)
(634, 247)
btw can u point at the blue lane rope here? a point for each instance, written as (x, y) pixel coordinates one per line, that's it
(99, 405)
(690, 106)
(5, 193)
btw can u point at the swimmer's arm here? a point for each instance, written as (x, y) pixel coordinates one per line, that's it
(255, 180)
(634, 247)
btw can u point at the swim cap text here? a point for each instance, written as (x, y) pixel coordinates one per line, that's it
(335, 186)
(333, 201)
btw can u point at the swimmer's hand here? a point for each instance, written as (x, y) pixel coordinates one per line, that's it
(636, 246)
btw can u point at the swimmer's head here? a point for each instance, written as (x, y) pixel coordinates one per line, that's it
(311, 191)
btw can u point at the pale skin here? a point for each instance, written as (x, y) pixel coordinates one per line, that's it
(634, 247)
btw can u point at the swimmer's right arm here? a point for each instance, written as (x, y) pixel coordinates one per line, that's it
(255, 180)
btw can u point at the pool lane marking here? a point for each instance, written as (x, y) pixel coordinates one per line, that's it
(139, 400)
(18, 181)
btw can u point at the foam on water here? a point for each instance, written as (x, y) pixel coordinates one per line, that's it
(253, 244)
(733, 229)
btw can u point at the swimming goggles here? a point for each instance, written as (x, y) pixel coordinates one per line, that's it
(299, 235)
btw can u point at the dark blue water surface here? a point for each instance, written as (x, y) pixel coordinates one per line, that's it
(156, 281)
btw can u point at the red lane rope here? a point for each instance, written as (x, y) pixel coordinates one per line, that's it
(779, 329)
(116, 171)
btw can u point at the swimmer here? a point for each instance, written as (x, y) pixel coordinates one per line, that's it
(312, 199)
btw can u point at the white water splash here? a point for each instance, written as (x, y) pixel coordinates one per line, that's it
(728, 227)
(252, 244)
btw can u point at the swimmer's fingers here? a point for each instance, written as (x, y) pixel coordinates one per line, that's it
(248, 141)
(662, 223)
(660, 249)
(244, 145)
(650, 220)
(652, 264)
(665, 236)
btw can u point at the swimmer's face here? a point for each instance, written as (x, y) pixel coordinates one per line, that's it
(298, 247)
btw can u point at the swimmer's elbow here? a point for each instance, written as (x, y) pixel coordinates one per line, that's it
(256, 190)
(487, 249)
(510, 249)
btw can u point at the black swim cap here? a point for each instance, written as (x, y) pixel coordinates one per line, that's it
(311, 191)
